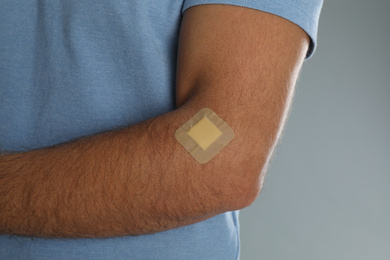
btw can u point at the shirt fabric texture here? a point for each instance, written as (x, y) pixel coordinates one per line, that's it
(71, 68)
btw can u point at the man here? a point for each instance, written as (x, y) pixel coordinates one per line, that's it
(92, 93)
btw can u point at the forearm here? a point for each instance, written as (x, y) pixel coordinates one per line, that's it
(126, 182)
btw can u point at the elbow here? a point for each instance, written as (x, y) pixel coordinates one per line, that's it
(246, 195)
(244, 185)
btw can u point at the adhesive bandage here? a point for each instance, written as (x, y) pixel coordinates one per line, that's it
(204, 135)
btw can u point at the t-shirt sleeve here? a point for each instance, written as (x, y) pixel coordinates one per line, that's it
(304, 13)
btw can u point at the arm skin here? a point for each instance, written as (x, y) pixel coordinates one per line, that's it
(239, 62)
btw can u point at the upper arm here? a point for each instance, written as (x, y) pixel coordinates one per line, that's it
(236, 48)
(243, 64)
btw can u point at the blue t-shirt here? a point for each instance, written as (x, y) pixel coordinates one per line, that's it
(70, 68)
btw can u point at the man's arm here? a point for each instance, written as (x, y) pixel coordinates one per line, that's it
(239, 62)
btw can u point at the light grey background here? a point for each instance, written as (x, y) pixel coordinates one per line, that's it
(327, 192)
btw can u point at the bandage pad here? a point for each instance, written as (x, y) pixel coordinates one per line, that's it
(204, 135)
